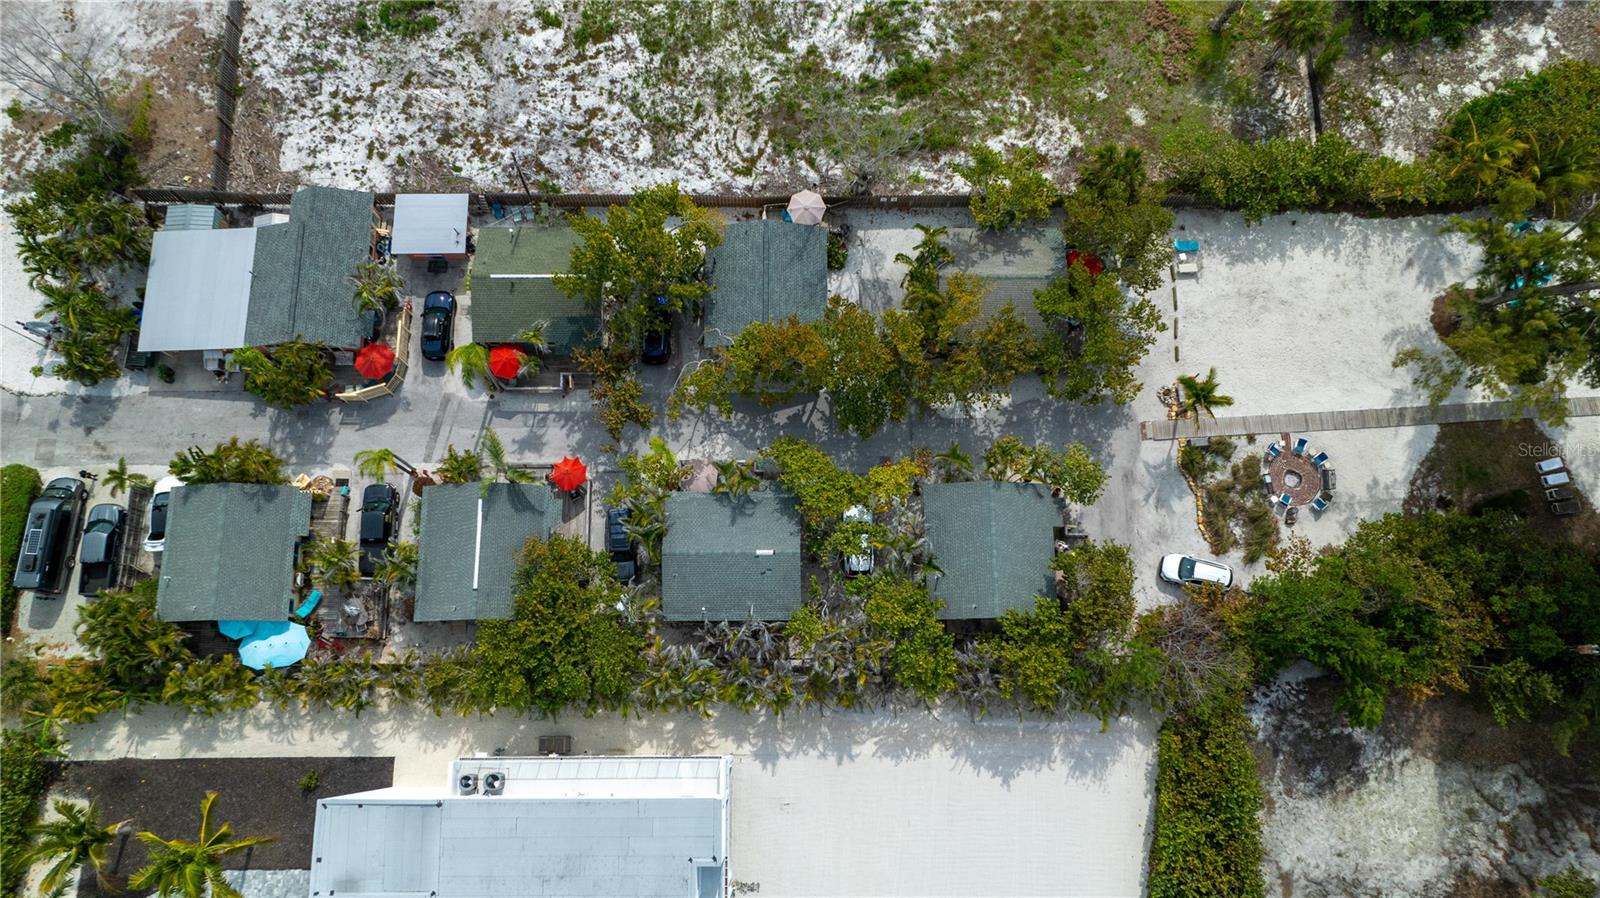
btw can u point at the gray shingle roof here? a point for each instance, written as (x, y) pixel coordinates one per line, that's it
(766, 271)
(994, 542)
(711, 566)
(503, 307)
(230, 552)
(300, 284)
(513, 513)
(1020, 292)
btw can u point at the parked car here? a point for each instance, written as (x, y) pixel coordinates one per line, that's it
(859, 564)
(438, 324)
(46, 557)
(380, 505)
(155, 539)
(657, 346)
(620, 544)
(1188, 569)
(100, 553)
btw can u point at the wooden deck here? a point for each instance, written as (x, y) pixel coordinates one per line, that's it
(1350, 419)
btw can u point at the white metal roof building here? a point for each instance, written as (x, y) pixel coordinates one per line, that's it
(429, 224)
(198, 293)
(600, 827)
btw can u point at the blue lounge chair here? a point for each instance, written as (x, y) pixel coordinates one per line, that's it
(1319, 459)
(1321, 502)
(1266, 480)
(1285, 500)
(1300, 446)
(1274, 450)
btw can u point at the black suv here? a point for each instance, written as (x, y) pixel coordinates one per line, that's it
(101, 550)
(619, 544)
(46, 555)
(379, 507)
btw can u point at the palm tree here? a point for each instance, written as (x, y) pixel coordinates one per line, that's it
(1202, 395)
(494, 452)
(77, 838)
(377, 463)
(736, 478)
(536, 341)
(471, 361)
(1486, 157)
(1114, 169)
(336, 560)
(647, 526)
(399, 565)
(953, 464)
(378, 286)
(118, 478)
(179, 868)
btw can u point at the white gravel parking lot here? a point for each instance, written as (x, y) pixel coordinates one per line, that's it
(860, 803)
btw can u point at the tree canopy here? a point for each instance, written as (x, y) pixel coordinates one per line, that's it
(288, 375)
(230, 462)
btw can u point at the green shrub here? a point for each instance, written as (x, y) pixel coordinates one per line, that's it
(1008, 190)
(548, 18)
(308, 783)
(25, 773)
(1570, 883)
(19, 485)
(1207, 839)
(1413, 21)
(838, 252)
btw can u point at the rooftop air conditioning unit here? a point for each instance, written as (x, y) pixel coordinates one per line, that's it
(468, 784)
(494, 783)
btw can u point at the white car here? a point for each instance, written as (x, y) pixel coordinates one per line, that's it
(1188, 569)
(859, 564)
(155, 538)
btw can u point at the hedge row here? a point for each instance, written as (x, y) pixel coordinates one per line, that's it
(19, 485)
(25, 771)
(1207, 841)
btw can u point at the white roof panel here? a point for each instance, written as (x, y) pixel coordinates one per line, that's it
(198, 291)
(432, 224)
(563, 828)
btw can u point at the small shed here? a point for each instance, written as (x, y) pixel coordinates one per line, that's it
(731, 558)
(470, 545)
(192, 217)
(430, 224)
(766, 271)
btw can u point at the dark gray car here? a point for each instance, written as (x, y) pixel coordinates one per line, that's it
(380, 504)
(100, 554)
(46, 557)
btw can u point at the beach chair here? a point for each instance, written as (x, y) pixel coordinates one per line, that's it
(1300, 446)
(1188, 256)
(1321, 502)
(1273, 451)
(1559, 478)
(1285, 500)
(1562, 509)
(1556, 494)
(1319, 459)
(1266, 480)
(1550, 465)
(1327, 480)
(1291, 515)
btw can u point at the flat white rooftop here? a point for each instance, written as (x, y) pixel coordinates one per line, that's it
(429, 224)
(198, 291)
(568, 827)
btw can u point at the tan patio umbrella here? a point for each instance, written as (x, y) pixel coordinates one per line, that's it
(806, 207)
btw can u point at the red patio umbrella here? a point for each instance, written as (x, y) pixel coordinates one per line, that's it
(375, 360)
(505, 362)
(569, 474)
(1089, 260)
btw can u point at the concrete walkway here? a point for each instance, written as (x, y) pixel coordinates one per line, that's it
(1352, 419)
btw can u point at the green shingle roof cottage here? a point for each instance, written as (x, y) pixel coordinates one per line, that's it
(470, 545)
(230, 552)
(765, 271)
(513, 286)
(300, 284)
(994, 543)
(727, 558)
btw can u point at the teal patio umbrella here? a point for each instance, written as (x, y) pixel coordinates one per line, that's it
(279, 644)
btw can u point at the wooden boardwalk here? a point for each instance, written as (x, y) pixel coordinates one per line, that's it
(1350, 419)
